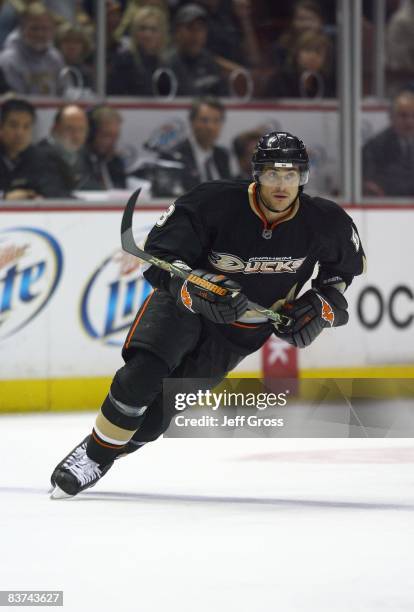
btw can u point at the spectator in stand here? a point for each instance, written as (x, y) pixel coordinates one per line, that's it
(202, 158)
(231, 33)
(61, 11)
(400, 47)
(195, 68)
(20, 170)
(66, 166)
(31, 64)
(4, 86)
(8, 20)
(107, 166)
(244, 145)
(114, 41)
(75, 47)
(132, 7)
(306, 17)
(133, 68)
(308, 72)
(388, 158)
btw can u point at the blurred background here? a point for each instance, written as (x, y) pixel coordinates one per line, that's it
(101, 97)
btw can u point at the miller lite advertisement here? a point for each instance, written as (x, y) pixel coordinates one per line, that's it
(31, 264)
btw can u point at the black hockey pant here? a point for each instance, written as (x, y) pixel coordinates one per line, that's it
(167, 342)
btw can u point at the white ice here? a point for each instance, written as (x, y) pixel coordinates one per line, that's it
(211, 525)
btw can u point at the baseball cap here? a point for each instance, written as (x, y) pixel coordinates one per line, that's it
(189, 13)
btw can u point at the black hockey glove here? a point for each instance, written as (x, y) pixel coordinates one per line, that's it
(200, 300)
(311, 313)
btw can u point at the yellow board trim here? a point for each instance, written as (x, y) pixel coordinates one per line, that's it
(73, 394)
(383, 371)
(57, 394)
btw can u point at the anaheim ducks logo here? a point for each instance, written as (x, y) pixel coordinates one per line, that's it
(327, 313)
(225, 262)
(186, 297)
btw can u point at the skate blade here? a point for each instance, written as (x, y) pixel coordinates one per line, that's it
(57, 493)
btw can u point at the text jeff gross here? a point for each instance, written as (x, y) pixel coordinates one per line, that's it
(240, 420)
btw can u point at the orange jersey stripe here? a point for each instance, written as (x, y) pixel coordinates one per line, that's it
(131, 333)
(245, 325)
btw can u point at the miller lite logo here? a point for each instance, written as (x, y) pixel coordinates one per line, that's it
(30, 270)
(327, 314)
(112, 296)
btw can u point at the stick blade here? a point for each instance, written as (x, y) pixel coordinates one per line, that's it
(127, 237)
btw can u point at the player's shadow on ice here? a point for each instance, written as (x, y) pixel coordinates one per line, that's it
(218, 499)
(116, 496)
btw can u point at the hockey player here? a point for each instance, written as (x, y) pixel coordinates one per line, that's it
(261, 240)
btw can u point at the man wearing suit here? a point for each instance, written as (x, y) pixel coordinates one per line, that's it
(107, 170)
(388, 158)
(66, 166)
(202, 159)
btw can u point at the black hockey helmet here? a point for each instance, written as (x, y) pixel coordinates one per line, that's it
(282, 150)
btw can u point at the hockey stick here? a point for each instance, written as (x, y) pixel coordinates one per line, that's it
(130, 246)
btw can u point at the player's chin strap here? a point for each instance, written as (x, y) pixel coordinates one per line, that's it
(263, 201)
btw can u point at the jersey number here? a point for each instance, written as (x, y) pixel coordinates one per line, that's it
(165, 215)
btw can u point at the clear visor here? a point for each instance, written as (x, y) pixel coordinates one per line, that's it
(285, 173)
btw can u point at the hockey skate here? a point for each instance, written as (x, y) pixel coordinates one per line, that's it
(76, 472)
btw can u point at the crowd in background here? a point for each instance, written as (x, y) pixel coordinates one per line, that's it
(81, 152)
(205, 50)
(169, 48)
(180, 48)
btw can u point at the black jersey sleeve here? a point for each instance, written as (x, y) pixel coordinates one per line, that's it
(179, 234)
(342, 256)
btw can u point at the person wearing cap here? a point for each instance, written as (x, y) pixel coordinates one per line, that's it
(194, 66)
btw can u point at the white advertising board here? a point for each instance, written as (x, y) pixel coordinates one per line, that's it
(381, 302)
(78, 328)
(68, 295)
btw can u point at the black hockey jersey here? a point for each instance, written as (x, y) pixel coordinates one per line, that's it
(219, 226)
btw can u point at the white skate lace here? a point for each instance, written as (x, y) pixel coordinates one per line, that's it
(82, 467)
(77, 454)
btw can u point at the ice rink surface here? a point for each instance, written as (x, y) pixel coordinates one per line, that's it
(204, 525)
